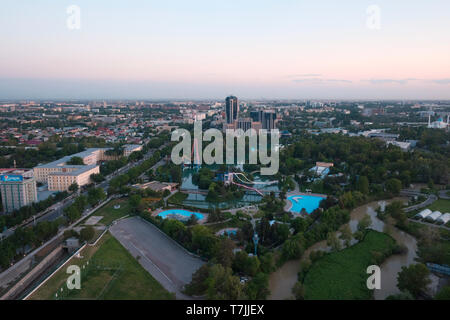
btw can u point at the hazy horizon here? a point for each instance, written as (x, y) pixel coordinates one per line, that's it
(207, 50)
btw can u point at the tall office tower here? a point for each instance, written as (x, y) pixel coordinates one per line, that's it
(256, 116)
(268, 119)
(231, 109)
(18, 188)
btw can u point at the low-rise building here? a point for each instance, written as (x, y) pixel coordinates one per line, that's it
(157, 186)
(405, 146)
(62, 180)
(59, 175)
(130, 148)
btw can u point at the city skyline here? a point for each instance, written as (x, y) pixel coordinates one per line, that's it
(203, 50)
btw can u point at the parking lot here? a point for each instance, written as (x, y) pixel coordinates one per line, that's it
(162, 257)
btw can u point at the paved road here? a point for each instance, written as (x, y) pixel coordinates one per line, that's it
(169, 263)
(443, 194)
(410, 193)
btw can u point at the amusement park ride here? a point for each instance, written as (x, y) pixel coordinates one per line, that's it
(229, 177)
(245, 182)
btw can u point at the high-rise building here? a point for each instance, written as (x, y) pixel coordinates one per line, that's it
(268, 120)
(231, 109)
(18, 188)
(256, 115)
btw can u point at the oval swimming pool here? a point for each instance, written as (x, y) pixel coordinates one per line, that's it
(179, 214)
(308, 202)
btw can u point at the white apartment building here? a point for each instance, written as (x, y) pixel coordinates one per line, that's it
(59, 175)
(81, 175)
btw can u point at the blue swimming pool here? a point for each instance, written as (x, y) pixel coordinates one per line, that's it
(310, 203)
(179, 214)
(230, 232)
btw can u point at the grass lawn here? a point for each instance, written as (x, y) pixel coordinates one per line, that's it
(342, 275)
(110, 214)
(177, 198)
(440, 205)
(119, 276)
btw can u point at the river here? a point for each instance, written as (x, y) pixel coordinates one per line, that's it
(392, 265)
(282, 281)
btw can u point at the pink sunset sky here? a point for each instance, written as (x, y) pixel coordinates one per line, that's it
(208, 49)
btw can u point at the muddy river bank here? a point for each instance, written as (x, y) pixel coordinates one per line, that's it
(283, 280)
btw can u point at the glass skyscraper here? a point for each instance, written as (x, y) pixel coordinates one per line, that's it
(231, 108)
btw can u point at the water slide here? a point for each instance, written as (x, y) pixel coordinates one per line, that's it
(247, 187)
(246, 180)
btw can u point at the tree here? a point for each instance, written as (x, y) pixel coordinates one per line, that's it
(346, 234)
(166, 193)
(87, 233)
(333, 241)
(281, 232)
(347, 201)
(80, 203)
(203, 240)
(134, 200)
(257, 288)
(222, 284)
(252, 266)
(444, 294)
(299, 224)
(72, 213)
(293, 248)
(97, 177)
(267, 262)
(198, 285)
(413, 279)
(76, 161)
(395, 211)
(364, 223)
(73, 187)
(393, 186)
(176, 174)
(363, 185)
(95, 195)
(70, 233)
(247, 231)
(193, 220)
(225, 253)
(299, 291)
